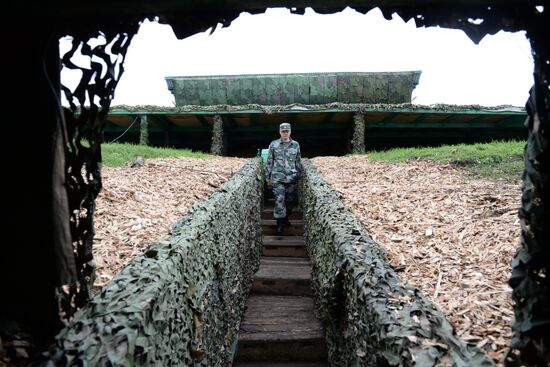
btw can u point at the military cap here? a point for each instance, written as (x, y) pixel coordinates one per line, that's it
(284, 126)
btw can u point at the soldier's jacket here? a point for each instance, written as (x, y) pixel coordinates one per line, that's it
(284, 161)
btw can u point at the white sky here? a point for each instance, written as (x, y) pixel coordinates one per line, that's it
(498, 71)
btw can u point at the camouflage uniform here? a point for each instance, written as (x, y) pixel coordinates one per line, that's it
(284, 168)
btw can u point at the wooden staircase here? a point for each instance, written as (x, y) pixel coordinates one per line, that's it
(279, 327)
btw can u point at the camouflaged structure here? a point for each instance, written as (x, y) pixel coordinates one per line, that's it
(307, 88)
(179, 303)
(370, 318)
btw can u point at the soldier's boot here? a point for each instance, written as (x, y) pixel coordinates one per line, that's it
(280, 225)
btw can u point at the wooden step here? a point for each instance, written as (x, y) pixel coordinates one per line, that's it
(269, 227)
(294, 240)
(280, 328)
(288, 246)
(283, 276)
(280, 364)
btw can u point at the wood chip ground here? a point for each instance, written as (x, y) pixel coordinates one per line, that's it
(139, 204)
(450, 235)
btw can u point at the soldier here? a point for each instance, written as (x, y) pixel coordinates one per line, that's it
(283, 169)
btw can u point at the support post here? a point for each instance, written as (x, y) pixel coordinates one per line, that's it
(143, 130)
(218, 146)
(358, 140)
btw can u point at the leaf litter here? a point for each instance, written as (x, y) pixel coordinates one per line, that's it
(449, 234)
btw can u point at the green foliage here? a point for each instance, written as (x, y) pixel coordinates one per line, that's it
(494, 160)
(115, 154)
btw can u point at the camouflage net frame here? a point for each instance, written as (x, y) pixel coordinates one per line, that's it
(79, 148)
(370, 317)
(181, 301)
(530, 279)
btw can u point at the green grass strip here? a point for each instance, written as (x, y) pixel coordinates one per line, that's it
(495, 160)
(116, 154)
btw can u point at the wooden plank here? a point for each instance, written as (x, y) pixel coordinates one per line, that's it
(280, 364)
(279, 268)
(276, 328)
(283, 276)
(273, 222)
(288, 230)
(275, 251)
(294, 240)
(280, 318)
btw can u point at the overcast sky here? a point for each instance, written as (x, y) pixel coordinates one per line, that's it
(498, 71)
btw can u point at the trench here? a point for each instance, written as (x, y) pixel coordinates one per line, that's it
(225, 290)
(279, 323)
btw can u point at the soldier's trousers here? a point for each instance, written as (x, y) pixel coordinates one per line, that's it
(285, 198)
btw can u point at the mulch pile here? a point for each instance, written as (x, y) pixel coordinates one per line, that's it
(139, 204)
(450, 235)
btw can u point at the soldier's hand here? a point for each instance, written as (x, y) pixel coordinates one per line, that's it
(269, 183)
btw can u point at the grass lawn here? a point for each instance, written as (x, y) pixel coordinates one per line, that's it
(495, 160)
(116, 154)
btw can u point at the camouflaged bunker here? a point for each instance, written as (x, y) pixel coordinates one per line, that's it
(330, 113)
(309, 101)
(284, 89)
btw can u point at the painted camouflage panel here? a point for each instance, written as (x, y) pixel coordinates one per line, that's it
(281, 89)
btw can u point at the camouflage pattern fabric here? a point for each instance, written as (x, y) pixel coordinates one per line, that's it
(285, 196)
(305, 88)
(284, 168)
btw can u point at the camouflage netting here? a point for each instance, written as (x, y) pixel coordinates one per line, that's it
(352, 107)
(309, 88)
(370, 317)
(181, 301)
(217, 147)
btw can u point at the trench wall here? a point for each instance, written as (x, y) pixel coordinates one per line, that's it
(370, 317)
(181, 301)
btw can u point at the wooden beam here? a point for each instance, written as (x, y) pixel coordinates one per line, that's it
(231, 121)
(328, 118)
(203, 120)
(390, 117)
(254, 119)
(162, 121)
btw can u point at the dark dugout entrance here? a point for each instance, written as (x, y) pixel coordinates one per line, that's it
(52, 157)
